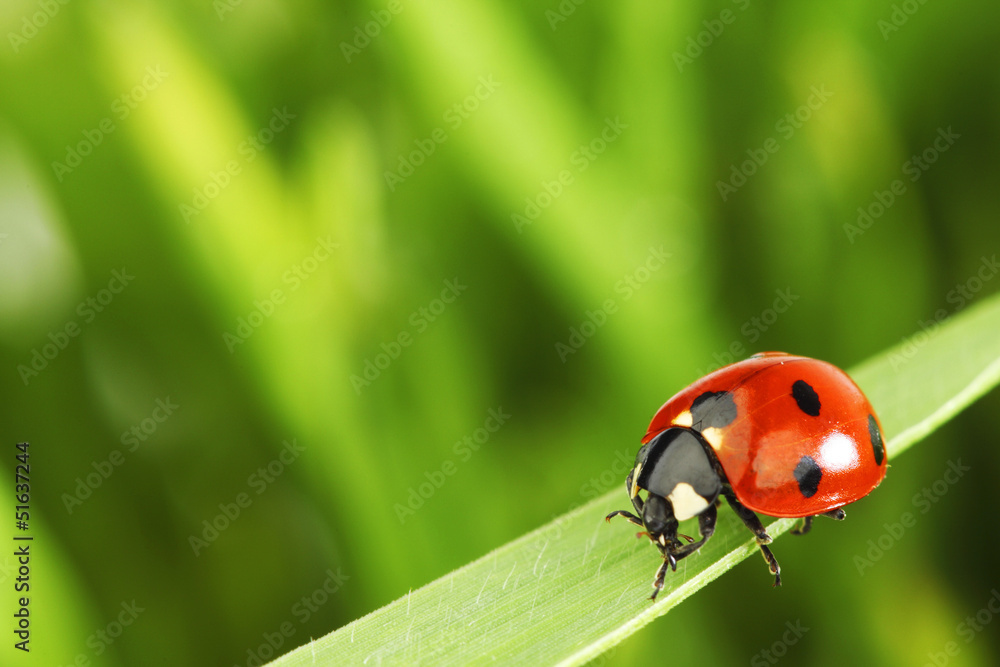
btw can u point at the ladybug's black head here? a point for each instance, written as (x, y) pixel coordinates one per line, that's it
(675, 470)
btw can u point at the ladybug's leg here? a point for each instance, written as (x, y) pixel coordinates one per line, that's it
(636, 503)
(706, 524)
(658, 517)
(673, 553)
(838, 515)
(628, 515)
(807, 524)
(757, 528)
(661, 575)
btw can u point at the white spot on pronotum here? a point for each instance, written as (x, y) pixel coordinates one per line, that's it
(684, 419)
(714, 437)
(686, 501)
(634, 491)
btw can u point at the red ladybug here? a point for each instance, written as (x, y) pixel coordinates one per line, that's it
(782, 435)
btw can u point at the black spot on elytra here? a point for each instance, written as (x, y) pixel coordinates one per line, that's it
(876, 437)
(807, 474)
(806, 398)
(713, 409)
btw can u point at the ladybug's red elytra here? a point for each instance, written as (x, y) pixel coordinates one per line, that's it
(778, 434)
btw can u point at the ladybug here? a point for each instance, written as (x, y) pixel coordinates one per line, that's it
(778, 434)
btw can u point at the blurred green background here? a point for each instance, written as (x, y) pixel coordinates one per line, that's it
(360, 228)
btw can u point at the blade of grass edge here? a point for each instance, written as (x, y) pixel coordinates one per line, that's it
(915, 386)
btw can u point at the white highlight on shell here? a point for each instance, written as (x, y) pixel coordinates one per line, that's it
(686, 501)
(838, 452)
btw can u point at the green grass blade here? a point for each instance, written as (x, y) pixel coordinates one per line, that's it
(574, 588)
